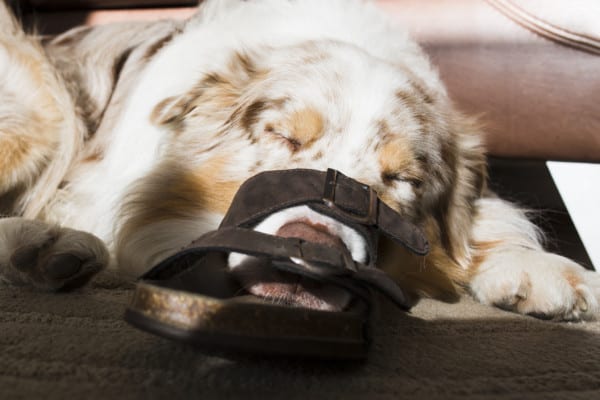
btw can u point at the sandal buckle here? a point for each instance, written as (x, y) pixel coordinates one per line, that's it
(369, 218)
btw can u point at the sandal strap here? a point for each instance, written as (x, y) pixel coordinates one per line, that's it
(328, 192)
(313, 260)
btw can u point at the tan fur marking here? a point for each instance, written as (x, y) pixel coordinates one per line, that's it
(429, 276)
(395, 156)
(397, 160)
(174, 192)
(435, 275)
(306, 126)
(218, 193)
(28, 136)
(95, 156)
(573, 278)
(480, 254)
(12, 153)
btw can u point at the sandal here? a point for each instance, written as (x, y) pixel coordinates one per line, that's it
(193, 297)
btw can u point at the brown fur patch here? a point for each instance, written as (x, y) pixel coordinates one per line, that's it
(252, 113)
(118, 66)
(173, 191)
(159, 44)
(462, 172)
(419, 86)
(419, 109)
(431, 276)
(384, 133)
(435, 275)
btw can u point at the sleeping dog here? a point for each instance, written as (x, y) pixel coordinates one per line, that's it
(120, 144)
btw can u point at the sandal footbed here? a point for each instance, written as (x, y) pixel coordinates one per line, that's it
(248, 324)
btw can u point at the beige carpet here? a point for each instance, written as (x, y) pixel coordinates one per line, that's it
(76, 345)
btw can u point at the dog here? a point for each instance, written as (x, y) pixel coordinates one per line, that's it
(120, 144)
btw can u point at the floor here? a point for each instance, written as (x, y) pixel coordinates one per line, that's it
(76, 345)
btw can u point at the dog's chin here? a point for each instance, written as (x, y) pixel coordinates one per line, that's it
(263, 280)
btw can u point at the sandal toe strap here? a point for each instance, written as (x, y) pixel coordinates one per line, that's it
(313, 260)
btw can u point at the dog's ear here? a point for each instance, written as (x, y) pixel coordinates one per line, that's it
(215, 95)
(464, 154)
(172, 109)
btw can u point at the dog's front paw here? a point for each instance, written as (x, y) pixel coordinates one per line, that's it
(537, 283)
(46, 256)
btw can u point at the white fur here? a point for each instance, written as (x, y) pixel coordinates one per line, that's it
(519, 275)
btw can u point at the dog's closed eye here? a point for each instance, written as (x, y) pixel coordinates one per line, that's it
(389, 178)
(293, 143)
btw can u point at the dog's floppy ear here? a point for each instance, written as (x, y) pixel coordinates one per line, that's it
(215, 94)
(172, 109)
(465, 156)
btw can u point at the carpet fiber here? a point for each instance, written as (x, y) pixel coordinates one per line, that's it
(76, 345)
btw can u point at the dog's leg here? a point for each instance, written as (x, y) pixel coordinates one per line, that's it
(511, 270)
(39, 136)
(48, 257)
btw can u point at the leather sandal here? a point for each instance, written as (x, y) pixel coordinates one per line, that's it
(193, 297)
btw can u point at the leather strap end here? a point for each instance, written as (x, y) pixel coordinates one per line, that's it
(401, 231)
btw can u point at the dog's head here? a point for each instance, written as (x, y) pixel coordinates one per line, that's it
(318, 105)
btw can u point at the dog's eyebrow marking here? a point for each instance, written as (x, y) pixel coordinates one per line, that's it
(397, 160)
(306, 126)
